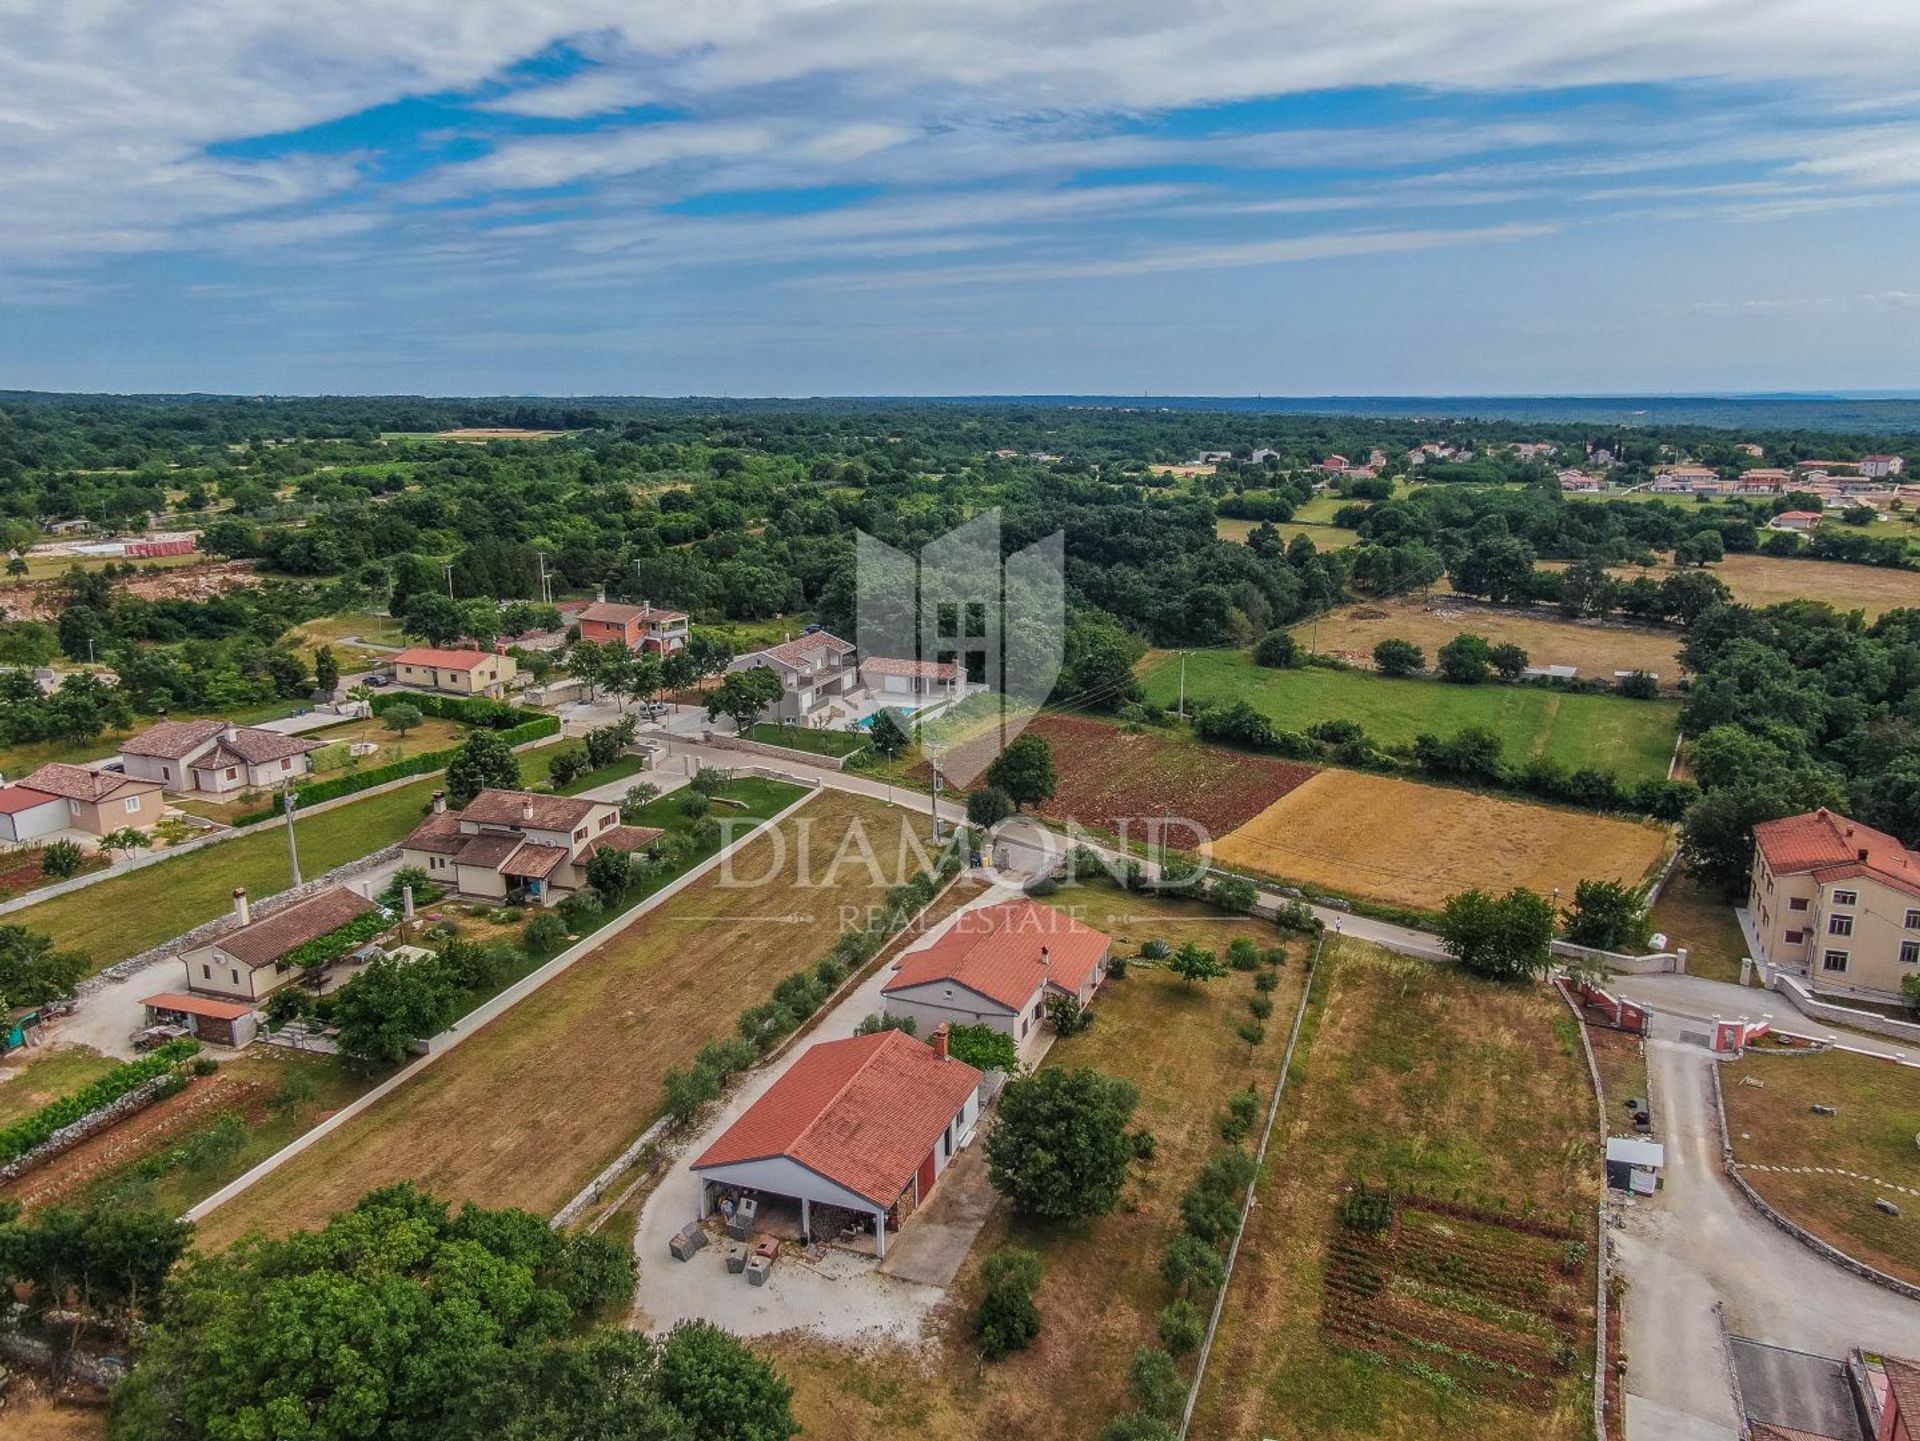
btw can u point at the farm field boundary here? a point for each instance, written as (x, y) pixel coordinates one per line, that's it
(471, 1023)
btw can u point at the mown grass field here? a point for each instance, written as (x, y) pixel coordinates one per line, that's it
(1872, 1133)
(1421, 1079)
(1352, 631)
(33, 1078)
(805, 738)
(1324, 537)
(1632, 739)
(1102, 1287)
(1400, 843)
(528, 1110)
(117, 918)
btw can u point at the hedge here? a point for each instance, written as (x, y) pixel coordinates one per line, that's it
(427, 761)
(30, 1131)
(468, 710)
(324, 949)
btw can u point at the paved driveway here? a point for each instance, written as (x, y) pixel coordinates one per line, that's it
(1699, 1241)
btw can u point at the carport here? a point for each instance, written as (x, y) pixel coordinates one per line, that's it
(221, 1023)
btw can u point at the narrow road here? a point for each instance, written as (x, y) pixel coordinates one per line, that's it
(1698, 999)
(1699, 1241)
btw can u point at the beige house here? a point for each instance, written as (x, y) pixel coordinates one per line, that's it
(1836, 899)
(817, 672)
(249, 963)
(457, 672)
(216, 756)
(508, 842)
(63, 797)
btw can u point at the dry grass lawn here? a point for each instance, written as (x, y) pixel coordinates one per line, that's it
(1102, 1288)
(1770, 579)
(36, 1419)
(1352, 632)
(1701, 920)
(526, 1113)
(1324, 537)
(1401, 843)
(1878, 1110)
(1423, 1079)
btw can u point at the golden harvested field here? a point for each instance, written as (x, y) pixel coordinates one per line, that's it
(1401, 843)
(1421, 1079)
(1102, 1288)
(1325, 537)
(1354, 630)
(526, 1112)
(1770, 579)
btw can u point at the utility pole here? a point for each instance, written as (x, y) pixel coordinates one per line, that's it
(935, 805)
(293, 847)
(1181, 709)
(448, 568)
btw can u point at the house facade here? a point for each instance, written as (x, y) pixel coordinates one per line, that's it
(455, 672)
(817, 673)
(862, 1128)
(60, 797)
(644, 627)
(911, 682)
(995, 966)
(1836, 899)
(518, 842)
(1882, 467)
(1797, 521)
(216, 756)
(250, 962)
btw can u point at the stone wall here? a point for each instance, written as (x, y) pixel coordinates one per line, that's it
(1835, 1014)
(779, 753)
(111, 1114)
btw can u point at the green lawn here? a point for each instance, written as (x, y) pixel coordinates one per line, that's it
(801, 738)
(16, 761)
(30, 1080)
(115, 919)
(1633, 739)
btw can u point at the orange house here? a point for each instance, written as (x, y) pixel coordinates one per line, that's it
(637, 627)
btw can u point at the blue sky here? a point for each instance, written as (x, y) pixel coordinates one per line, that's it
(770, 197)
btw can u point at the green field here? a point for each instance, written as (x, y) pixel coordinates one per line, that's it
(803, 738)
(123, 916)
(1633, 739)
(16, 761)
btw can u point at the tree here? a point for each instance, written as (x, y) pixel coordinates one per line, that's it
(987, 808)
(1394, 656)
(1609, 916)
(1060, 1149)
(1466, 659)
(886, 735)
(1502, 938)
(743, 695)
(402, 718)
(398, 1319)
(1192, 1267)
(32, 973)
(590, 663)
(983, 1048)
(725, 1392)
(1157, 1385)
(388, 1006)
(1024, 770)
(1278, 649)
(484, 762)
(1193, 963)
(610, 872)
(326, 670)
(1007, 1320)
(1509, 660)
(126, 839)
(1702, 548)
(104, 1264)
(1180, 1326)
(1138, 1426)
(434, 618)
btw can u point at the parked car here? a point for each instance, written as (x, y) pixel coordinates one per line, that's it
(378, 679)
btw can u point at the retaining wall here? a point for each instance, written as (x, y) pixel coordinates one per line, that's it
(74, 1132)
(780, 753)
(1814, 1008)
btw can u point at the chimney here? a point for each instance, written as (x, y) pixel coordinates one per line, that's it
(938, 1040)
(526, 808)
(1861, 854)
(600, 594)
(406, 902)
(242, 912)
(439, 802)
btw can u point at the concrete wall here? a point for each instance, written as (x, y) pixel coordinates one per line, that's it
(938, 1002)
(39, 821)
(761, 748)
(1804, 1000)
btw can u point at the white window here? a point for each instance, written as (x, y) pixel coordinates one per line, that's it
(1910, 953)
(1833, 961)
(1913, 920)
(131, 805)
(1839, 925)
(1845, 898)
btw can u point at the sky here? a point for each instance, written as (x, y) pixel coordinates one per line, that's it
(897, 197)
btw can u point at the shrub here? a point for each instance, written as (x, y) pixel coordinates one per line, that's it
(872, 1023)
(983, 1048)
(1191, 1266)
(1243, 954)
(1277, 649)
(1155, 951)
(1260, 1006)
(1252, 1032)
(1181, 1329)
(1116, 968)
(1233, 894)
(1008, 1320)
(1145, 1145)
(62, 859)
(1266, 981)
(726, 1057)
(1138, 1426)
(1156, 1383)
(693, 804)
(545, 932)
(1067, 1015)
(23, 1135)
(830, 971)
(1211, 1205)
(1243, 1109)
(1366, 1208)
(286, 1004)
(579, 909)
(1298, 916)
(1399, 657)
(1274, 955)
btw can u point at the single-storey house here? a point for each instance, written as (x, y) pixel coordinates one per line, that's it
(505, 842)
(249, 963)
(1798, 521)
(644, 627)
(920, 682)
(216, 756)
(816, 670)
(457, 672)
(863, 1127)
(996, 965)
(219, 1023)
(60, 797)
(1580, 480)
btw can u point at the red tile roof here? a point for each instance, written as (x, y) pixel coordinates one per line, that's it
(862, 1112)
(529, 808)
(266, 941)
(444, 659)
(794, 652)
(15, 799)
(172, 740)
(1006, 953)
(77, 783)
(1829, 846)
(887, 665)
(1903, 1379)
(622, 838)
(615, 612)
(197, 1006)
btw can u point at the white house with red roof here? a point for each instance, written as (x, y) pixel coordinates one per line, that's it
(457, 672)
(818, 676)
(1797, 521)
(1836, 899)
(995, 965)
(863, 1128)
(916, 683)
(60, 797)
(518, 843)
(1882, 467)
(216, 756)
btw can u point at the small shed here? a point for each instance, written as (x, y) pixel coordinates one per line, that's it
(1634, 1163)
(219, 1023)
